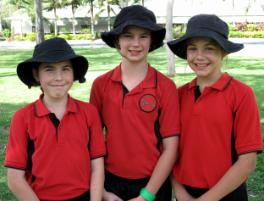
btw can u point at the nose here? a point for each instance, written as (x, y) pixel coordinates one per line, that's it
(136, 41)
(200, 54)
(58, 75)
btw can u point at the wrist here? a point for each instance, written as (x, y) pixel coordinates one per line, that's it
(147, 195)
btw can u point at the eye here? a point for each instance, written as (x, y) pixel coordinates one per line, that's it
(210, 48)
(127, 35)
(48, 69)
(145, 36)
(191, 48)
(67, 68)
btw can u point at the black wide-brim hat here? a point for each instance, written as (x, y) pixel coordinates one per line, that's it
(139, 16)
(205, 25)
(52, 51)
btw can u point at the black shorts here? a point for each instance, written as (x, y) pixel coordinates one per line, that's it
(239, 194)
(129, 188)
(85, 196)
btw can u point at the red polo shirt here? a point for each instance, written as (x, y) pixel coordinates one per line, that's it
(207, 125)
(60, 157)
(133, 119)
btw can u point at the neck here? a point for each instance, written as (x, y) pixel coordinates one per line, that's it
(56, 106)
(133, 74)
(207, 82)
(133, 67)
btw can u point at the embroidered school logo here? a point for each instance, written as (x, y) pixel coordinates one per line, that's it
(147, 103)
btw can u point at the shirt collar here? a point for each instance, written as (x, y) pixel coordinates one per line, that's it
(116, 74)
(220, 84)
(150, 80)
(42, 110)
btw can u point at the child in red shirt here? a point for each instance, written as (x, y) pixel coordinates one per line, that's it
(56, 146)
(220, 124)
(139, 111)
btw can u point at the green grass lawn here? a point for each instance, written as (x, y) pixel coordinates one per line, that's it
(14, 94)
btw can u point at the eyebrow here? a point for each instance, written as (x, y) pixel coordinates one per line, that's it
(207, 43)
(143, 33)
(52, 66)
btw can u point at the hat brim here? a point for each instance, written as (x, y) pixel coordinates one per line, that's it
(158, 33)
(25, 73)
(178, 46)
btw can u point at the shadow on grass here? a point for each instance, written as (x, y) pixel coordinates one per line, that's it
(255, 181)
(5, 194)
(7, 74)
(6, 112)
(10, 58)
(245, 63)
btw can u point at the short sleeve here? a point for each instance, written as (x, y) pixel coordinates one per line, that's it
(16, 152)
(247, 127)
(169, 113)
(95, 95)
(96, 140)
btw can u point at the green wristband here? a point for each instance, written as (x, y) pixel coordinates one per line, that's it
(147, 195)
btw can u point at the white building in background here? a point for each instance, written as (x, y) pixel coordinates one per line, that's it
(228, 10)
(20, 22)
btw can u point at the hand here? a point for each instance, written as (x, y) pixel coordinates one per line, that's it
(108, 196)
(139, 198)
(186, 198)
(192, 199)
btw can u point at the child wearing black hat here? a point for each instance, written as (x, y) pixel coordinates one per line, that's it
(56, 146)
(220, 123)
(139, 111)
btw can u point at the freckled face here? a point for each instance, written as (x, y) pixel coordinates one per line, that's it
(204, 57)
(134, 44)
(55, 78)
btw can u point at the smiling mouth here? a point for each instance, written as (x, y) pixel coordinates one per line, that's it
(201, 66)
(57, 85)
(135, 53)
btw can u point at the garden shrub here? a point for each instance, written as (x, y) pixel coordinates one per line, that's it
(6, 33)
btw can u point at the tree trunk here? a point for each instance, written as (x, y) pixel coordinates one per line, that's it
(73, 20)
(92, 18)
(123, 3)
(108, 17)
(55, 22)
(39, 22)
(0, 25)
(169, 36)
(1, 28)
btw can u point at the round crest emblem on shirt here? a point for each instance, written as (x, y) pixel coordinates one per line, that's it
(147, 103)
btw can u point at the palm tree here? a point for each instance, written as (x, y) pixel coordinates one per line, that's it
(53, 5)
(74, 5)
(120, 3)
(124, 3)
(26, 6)
(0, 16)
(91, 5)
(39, 22)
(108, 16)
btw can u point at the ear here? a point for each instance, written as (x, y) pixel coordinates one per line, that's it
(224, 54)
(35, 74)
(117, 46)
(116, 42)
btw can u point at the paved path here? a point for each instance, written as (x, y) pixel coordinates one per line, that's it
(31, 45)
(254, 47)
